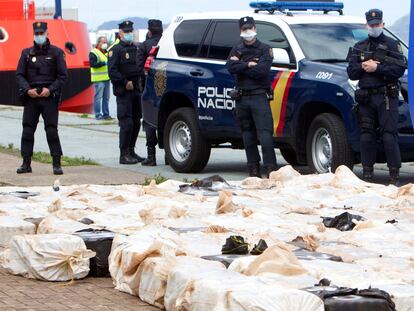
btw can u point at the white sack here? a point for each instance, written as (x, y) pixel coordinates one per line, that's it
(10, 226)
(49, 257)
(128, 252)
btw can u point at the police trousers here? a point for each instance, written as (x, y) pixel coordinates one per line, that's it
(129, 117)
(255, 118)
(48, 108)
(372, 116)
(150, 135)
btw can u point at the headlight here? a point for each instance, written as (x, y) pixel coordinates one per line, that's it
(353, 84)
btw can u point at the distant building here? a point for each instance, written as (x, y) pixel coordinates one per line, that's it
(49, 12)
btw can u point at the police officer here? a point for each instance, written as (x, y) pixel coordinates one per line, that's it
(250, 62)
(378, 96)
(41, 73)
(153, 37)
(125, 76)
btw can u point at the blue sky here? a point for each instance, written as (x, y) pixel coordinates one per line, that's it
(95, 12)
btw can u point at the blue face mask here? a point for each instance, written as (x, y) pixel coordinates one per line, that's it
(40, 39)
(128, 36)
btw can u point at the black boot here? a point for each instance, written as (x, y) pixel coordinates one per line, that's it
(254, 170)
(395, 176)
(368, 173)
(133, 155)
(150, 160)
(269, 169)
(25, 167)
(166, 160)
(57, 167)
(125, 158)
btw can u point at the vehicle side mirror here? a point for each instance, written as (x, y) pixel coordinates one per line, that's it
(280, 56)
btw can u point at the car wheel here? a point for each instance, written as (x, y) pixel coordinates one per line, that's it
(187, 151)
(327, 145)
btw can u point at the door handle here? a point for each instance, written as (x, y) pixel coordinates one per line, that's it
(196, 72)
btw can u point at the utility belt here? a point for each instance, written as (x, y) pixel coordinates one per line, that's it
(362, 96)
(237, 94)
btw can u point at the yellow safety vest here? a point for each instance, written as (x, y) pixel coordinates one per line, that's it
(99, 74)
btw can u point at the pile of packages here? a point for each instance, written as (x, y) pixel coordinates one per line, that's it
(290, 242)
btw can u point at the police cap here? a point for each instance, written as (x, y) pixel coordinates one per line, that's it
(155, 26)
(126, 26)
(246, 22)
(374, 17)
(39, 27)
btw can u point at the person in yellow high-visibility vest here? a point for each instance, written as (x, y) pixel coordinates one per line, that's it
(98, 59)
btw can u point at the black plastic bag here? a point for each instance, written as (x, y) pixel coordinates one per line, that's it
(342, 222)
(99, 241)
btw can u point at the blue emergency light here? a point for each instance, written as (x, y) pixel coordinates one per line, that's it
(284, 6)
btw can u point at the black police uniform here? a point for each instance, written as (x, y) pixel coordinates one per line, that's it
(144, 49)
(123, 67)
(380, 109)
(253, 108)
(41, 67)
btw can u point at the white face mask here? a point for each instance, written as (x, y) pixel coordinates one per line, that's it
(375, 31)
(104, 46)
(248, 35)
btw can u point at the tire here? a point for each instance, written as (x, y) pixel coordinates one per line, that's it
(187, 151)
(290, 156)
(327, 145)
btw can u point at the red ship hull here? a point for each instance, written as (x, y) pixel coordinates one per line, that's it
(77, 94)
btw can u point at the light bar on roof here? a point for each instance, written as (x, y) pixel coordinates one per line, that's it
(272, 6)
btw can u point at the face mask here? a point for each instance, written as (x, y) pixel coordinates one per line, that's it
(104, 46)
(248, 35)
(375, 31)
(128, 37)
(40, 39)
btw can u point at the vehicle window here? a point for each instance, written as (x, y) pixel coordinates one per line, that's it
(273, 36)
(331, 42)
(188, 36)
(226, 36)
(206, 44)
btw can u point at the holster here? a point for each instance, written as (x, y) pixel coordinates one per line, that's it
(235, 94)
(393, 91)
(362, 96)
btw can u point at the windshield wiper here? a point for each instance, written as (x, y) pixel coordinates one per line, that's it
(330, 60)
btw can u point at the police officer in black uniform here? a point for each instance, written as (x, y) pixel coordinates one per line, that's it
(250, 62)
(41, 73)
(125, 77)
(378, 95)
(153, 37)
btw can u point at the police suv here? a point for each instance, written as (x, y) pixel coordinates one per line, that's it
(187, 91)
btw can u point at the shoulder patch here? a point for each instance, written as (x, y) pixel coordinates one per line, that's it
(110, 53)
(271, 52)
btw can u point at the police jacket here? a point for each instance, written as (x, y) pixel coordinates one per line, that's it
(143, 52)
(256, 77)
(122, 63)
(385, 73)
(41, 66)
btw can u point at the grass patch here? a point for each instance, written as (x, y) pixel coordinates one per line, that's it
(158, 179)
(44, 157)
(84, 116)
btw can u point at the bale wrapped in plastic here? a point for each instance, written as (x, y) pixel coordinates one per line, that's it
(99, 241)
(47, 257)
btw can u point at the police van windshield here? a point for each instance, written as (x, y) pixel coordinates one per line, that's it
(331, 42)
